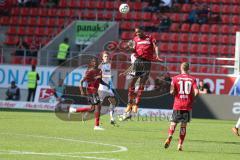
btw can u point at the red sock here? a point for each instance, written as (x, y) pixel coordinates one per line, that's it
(139, 94)
(83, 109)
(97, 118)
(131, 91)
(171, 130)
(182, 135)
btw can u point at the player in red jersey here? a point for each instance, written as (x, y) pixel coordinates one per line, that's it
(184, 89)
(93, 77)
(144, 46)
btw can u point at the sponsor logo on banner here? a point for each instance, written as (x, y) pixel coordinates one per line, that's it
(45, 94)
(235, 91)
(236, 108)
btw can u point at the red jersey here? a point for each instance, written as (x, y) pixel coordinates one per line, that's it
(144, 46)
(93, 77)
(184, 86)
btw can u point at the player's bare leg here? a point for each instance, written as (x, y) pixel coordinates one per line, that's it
(131, 100)
(235, 129)
(171, 130)
(97, 118)
(143, 81)
(112, 102)
(182, 135)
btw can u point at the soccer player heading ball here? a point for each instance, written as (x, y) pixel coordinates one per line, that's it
(144, 46)
(184, 89)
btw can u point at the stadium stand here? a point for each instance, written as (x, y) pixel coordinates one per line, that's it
(207, 40)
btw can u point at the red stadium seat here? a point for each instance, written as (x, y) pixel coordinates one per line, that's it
(195, 28)
(193, 48)
(174, 37)
(14, 20)
(12, 30)
(164, 37)
(164, 47)
(224, 39)
(4, 20)
(63, 4)
(110, 5)
(30, 31)
(226, 9)
(235, 19)
(15, 11)
(183, 48)
(51, 22)
(184, 37)
(214, 28)
(172, 67)
(203, 69)
(137, 16)
(174, 27)
(90, 4)
(43, 12)
(138, 5)
(100, 5)
(204, 49)
(21, 31)
(16, 60)
(11, 40)
(235, 9)
(23, 21)
(205, 28)
(225, 29)
(204, 38)
(175, 17)
(126, 36)
(224, 50)
(32, 21)
(173, 47)
(146, 16)
(186, 8)
(215, 8)
(225, 19)
(89, 15)
(214, 38)
(194, 38)
(185, 27)
(42, 21)
(126, 25)
(234, 29)
(214, 49)
(25, 11)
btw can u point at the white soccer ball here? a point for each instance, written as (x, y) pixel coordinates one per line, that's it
(124, 8)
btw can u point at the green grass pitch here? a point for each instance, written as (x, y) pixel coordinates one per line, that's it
(42, 136)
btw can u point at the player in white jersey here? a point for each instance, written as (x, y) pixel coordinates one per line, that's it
(236, 128)
(104, 91)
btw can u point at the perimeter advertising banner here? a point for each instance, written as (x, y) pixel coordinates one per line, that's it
(88, 31)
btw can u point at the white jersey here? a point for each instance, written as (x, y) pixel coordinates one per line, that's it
(106, 75)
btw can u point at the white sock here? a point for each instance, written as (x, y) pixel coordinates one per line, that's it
(111, 115)
(238, 123)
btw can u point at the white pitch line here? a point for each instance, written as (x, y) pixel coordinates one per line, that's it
(120, 148)
(11, 152)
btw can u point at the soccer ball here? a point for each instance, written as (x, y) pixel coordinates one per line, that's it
(124, 8)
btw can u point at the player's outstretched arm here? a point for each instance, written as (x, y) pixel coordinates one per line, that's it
(156, 51)
(81, 87)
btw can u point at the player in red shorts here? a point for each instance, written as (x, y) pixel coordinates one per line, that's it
(144, 46)
(93, 77)
(184, 89)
